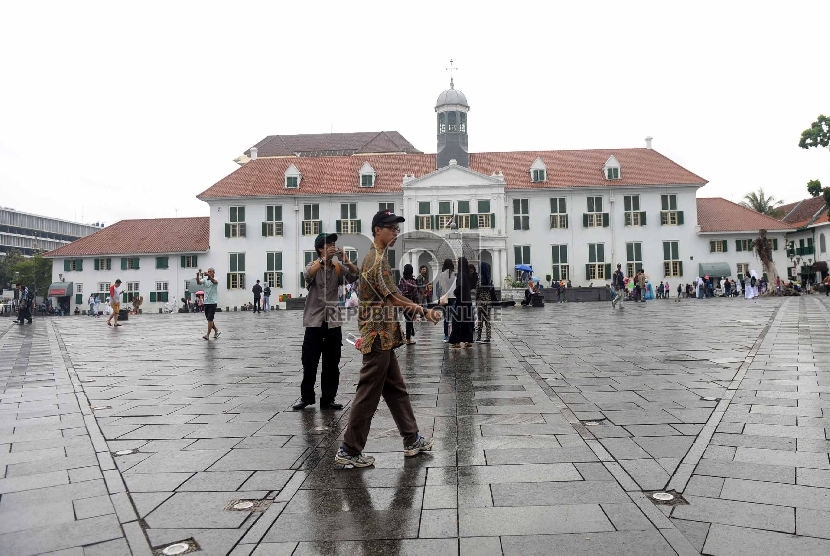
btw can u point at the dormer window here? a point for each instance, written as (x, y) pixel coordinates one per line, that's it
(538, 171)
(292, 177)
(612, 169)
(367, 175)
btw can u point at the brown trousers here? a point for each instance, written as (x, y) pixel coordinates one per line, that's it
(380, 375)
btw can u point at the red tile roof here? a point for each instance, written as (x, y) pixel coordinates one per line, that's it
(341, 174)
(719, 215)
(803, 212)
(333, 144)
(134, 237)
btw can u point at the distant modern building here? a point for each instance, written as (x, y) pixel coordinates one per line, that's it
(32, 232)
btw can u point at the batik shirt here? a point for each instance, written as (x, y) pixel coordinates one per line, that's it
(377, 317)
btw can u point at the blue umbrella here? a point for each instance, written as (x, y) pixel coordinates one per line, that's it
(536, 279)
(525, 267)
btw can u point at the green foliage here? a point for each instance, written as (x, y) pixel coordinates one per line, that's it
(34, 272)
(763, 203)
(814, 187)
(817, 135)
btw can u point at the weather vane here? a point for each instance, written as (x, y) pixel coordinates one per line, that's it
(451, 69)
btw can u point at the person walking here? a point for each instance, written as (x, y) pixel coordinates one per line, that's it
(257, 289)
(322, 321)
(380, 334)
(641, 285)
(24, 308)
(97, 310)
(408, 286)
(462, 315)
(446, 287)
(618, 287)
(484, 297)
(424, 286)
(210, 285)
(266, 295)
(115, 302)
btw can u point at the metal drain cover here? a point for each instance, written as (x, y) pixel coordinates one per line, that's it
(178, 548)
(709, 399)
(126, 452)
(248, 505)
(101, 407)
(666, 498)
(185, 546)
(663, 496)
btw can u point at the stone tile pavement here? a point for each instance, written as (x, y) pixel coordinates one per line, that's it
(548, 441)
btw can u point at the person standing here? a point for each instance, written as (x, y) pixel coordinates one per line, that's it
(91, 302)
(424, 286)
(322, 321)
(380, 334)
(408, 286)
(257, 289)
(97, 309)
(826, 284)
(115, 302)
(641, 285)
(484, 297)
(618, 286)
(266, 295)
(462, 315)
(446, 287)
(24, 308)
(210, 285)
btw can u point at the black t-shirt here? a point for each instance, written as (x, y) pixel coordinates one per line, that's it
(267, 291)
(257, 289)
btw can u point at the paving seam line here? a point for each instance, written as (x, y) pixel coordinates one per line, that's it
(138, 544)
(683, 473)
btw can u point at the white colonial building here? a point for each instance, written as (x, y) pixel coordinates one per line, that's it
(569, 214)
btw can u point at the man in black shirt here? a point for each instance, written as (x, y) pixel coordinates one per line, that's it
(257, 289)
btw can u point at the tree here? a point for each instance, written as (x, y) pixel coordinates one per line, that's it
(763, 250)
(817, 135)
(761, 202)
(7, 265)
(814, 187)
(35, 272)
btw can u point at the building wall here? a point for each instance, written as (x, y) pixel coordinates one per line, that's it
(31, 232)
(146, 276)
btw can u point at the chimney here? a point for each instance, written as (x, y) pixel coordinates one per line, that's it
(254, 153)
(648, 141)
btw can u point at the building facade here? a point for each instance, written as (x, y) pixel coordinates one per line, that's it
(571, 215)
(31, 233)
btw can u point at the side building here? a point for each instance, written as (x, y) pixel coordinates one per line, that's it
(153, 258)
(31, 233)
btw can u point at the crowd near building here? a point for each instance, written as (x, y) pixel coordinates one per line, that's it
(570, 214)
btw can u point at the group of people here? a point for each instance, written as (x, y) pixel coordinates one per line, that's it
(25, 304)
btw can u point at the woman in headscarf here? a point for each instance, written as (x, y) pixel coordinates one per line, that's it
(484, 295)
(462, 316)
(751, 285)
(649, 290)
(408, 287)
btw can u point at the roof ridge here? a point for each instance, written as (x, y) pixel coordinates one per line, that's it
(795, 208)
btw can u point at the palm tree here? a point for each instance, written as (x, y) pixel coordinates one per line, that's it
(760, 202)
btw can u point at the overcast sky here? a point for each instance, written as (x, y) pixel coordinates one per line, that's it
(118, 110)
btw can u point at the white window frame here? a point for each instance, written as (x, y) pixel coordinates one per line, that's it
(105, 264)
(162, 287)
(104, 287)
(313, 225)
(425, 222)
(188, 261)
(671, 266)
(631, 265)
(668, 216)
(237, 280)
(521, 217)
(518, 273)
(742, 270)
(387, 206)
(564, 268)
(484, 220)
(558, 216)
(716, 246)
(273, 228)
(79, 288)
(273, 279)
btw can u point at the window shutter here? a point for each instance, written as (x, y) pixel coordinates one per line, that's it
(517, 255)
(724, 245)
(608, 271)
(473, 221)
(390, 256)
(643, 218)
(492, 219)
(629, 251)
(774, 244)
(302, 280)
(109, 264)
(241, 262)
(680, 267)
(228, 280)
(152, 297)
(182, 261)
(96, 264)
(417, 223)
(584, 219)
(227, 230)
(587, 272)
(66, 265)
(123, 263)
(338, 226)
(264, 229)
(265, 278)
(195, 261)
(135, 263)
(165, 296)
(358, 226)
(554, 275)
(79, 298)
(79, 264)
(605, 219)
(737, 245)
(600, 252)
(434, 222)
(679, 217)
(123, 297)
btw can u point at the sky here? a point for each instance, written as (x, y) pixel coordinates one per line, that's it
(114, 110)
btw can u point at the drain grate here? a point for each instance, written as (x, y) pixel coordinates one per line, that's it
(593, 422)
(125, 452)
(185, 546)
(247, 505)
(666, 497)
(709, 399)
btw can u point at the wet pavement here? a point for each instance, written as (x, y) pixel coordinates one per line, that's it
(550, 440)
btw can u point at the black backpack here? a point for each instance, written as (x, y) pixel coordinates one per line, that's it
(753, 281)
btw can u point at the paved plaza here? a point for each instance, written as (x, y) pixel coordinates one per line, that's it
(550, 440)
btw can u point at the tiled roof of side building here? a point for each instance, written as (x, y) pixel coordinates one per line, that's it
(803, 212)
(136, 237)
(313, 144)
(341, 174)
(715, 214)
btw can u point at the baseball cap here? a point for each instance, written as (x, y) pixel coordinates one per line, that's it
(323, 239)
(385, 217)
